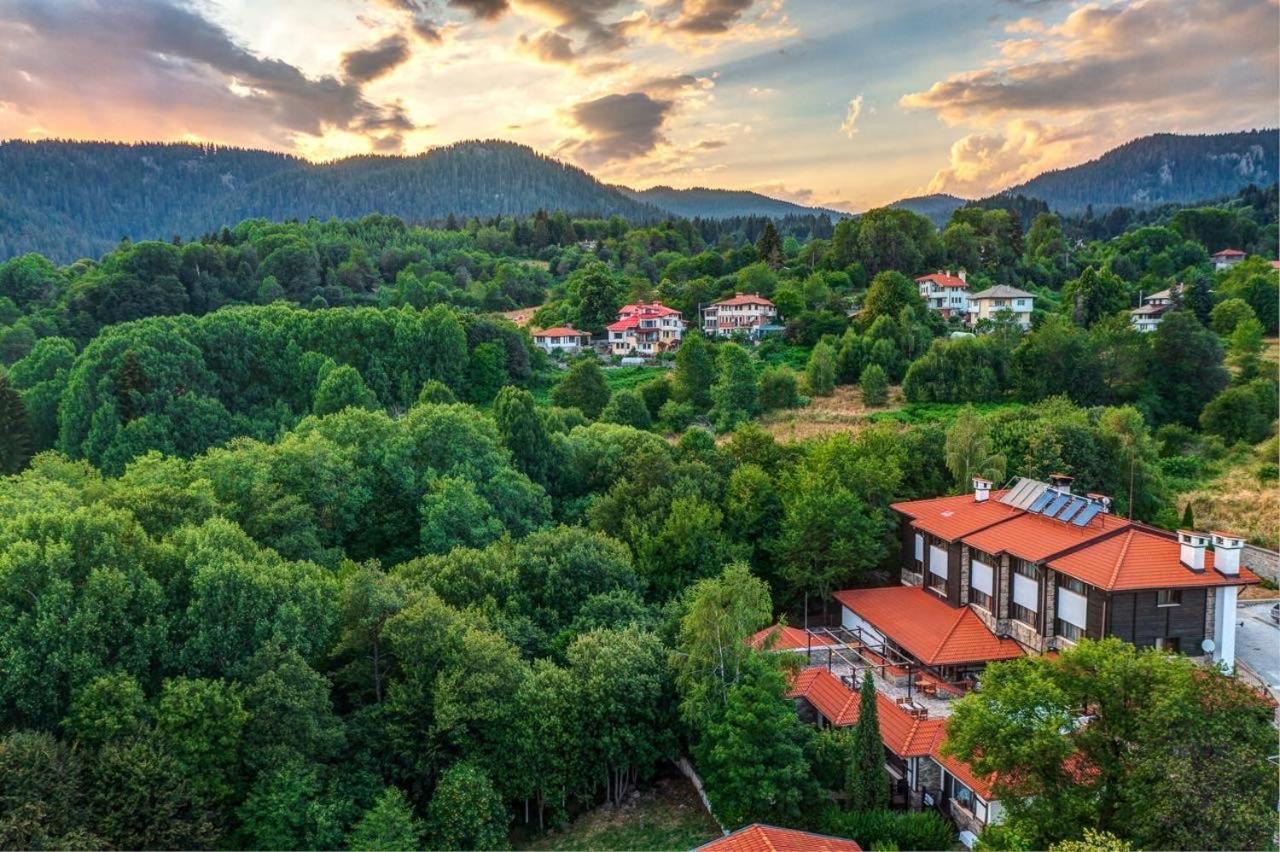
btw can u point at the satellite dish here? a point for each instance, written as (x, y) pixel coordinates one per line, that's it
(1207, 646)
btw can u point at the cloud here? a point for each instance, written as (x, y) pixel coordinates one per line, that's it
(548, 46)
(370, 63)
(151, 69)
(709, 17)
(1193, 55)
(617, 127)
(982, 163)
(485, 10)
(849, 126)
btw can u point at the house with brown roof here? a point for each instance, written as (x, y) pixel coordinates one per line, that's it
(645, 329)
(1035, 568)
(759, 837)
(742, 314)
(561, 338)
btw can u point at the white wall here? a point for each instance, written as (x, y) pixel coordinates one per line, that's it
(850, 620)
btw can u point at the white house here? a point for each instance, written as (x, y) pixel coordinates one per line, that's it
(744, 312)
(645, 329)
(946, 293)
(1226, 258)
(562, 338)
(1146, 317)
(992, 301)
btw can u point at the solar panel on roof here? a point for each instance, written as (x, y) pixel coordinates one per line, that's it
(1056, 506)
(1042, 501)
(1072, 508)
(1090, 512)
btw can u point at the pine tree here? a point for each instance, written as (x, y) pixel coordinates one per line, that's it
(770, 245)
(15, 428)
(866, 781)
(875, 385)
(820, 373)
(389, 825)
(1188, 518)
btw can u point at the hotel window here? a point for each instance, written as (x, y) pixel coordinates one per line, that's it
(1071, 584)
(981, 581)
(1026, 569)
(1169, 597)
(938, 559)
(1067, 630)
(1171, 644)
(1028, 617)
(961, 794)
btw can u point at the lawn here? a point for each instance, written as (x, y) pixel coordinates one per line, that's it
(668, 816)
(617, 378)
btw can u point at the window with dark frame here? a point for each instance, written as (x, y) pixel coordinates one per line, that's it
(1020, 613)
(1067, 630)
(1026, 569)
(937, 582)
(1169, 597)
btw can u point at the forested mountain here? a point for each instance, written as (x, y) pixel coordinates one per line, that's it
(77, 199)
(1159, 169)
(937, 208)
(704, 203)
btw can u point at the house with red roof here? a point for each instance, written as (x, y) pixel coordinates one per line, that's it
(742, 314)
(783, 637)
(946, 293)
(1226, 258)
(759, 837)
(645, 329)
(913, 749)
(561, 338)
(1034, 568)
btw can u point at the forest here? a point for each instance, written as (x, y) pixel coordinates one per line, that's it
(304, 545)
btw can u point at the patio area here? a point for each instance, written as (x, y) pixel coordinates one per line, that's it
(906, 682)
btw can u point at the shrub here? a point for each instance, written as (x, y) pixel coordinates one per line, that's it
(676, 416)
(875, 385)
(829, 756)
(778, 389)
(1268, 473)
(628, 409)
(906, 830)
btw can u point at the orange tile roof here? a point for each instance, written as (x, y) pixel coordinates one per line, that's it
(1142, 558)
(903, 734)
(930, 630)
(767, 838)
(952, 518)
(562, 331)
(961, 770)
(1035, 538)
(1228, 252)
(943, 280)
(741, 299)
(788, 638)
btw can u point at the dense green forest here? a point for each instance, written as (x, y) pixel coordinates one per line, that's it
(305, 547)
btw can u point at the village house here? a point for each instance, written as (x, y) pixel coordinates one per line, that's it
(562, 338)
(1146, 318)
(1226, 258)
(1034, 568)
(645, 329)
(991, 302)
(946, 293)
(744, 313)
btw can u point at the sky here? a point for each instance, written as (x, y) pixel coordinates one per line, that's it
(842, 103)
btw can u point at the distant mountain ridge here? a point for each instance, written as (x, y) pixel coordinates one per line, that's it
(1162, 168)
(937, 207)
(701, 201)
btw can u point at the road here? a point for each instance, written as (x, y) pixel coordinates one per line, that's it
(1258, 641)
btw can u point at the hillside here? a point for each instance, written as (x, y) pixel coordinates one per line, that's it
(76, 199)
(1159, 169)
(701, 202)
(937, 208)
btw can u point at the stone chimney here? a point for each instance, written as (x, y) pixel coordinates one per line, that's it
(1061, 482)
(981, 489)
(1226, 552)
(1191, 552)
(1101, 499)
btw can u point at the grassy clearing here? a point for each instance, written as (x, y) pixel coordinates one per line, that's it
(1236, 500)
(667, 816)
(617, 378)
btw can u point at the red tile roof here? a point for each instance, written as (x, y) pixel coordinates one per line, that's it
(767, 838)
(1228, 252)
(943, 280)
(930, 630)
(1034, 537)
(952, 518)
(624, 324)
(1142, 558)
(788, 639)
(747, 299)
(961, 770)
(653, 309)
(903, 734)
(561, 331)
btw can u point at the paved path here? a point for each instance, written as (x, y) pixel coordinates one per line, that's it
(1258, 641)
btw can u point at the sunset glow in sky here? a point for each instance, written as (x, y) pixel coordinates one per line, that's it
(842, 103)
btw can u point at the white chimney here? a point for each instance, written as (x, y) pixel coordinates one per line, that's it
(964, 276)
(1061, 482)
(1191, 552)
(1226, 552)
(981, 489)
